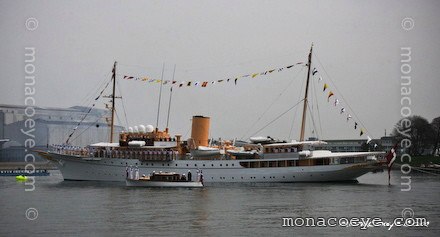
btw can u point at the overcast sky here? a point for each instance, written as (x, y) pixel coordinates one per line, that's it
(357, 50)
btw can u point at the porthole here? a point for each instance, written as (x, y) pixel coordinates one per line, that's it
(232, 164)
(168, 164)
(203, 165)
(186, 164)
(212, 165)
(176, 164)
(226, 164)
(221, 164)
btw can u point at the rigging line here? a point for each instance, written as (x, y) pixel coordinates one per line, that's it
(313, 121)
(160, 96)
(273, 102)
(91, 124)
(87, 113)
(296, 109)
(317, 107)
(279, 116)
(79, 123)
(123, 105)
(346, 102)
(117, 116)
(89, 96)
(171, 94)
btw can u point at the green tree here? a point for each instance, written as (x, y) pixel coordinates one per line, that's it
(418, 129)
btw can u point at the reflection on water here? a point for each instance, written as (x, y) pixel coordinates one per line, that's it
(96, 208)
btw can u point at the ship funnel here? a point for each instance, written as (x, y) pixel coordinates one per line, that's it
(200, 130)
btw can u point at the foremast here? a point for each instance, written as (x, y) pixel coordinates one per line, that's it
(303, 123)
(112, 122)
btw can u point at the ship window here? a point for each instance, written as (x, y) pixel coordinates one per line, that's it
(136, 163)
(163, 164)
(212, 165)
(284, 177)
(195, 165)
(232, 177)
(241, 177)
(232, 164)
(176, 164)
(264, 177)
(220, 164)
(168, 164)
(203, 165)
(186, 164)
(226, 164)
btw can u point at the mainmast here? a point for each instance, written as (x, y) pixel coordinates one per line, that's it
(171, 96)
(303, 123)
(113, 103)
(160, 96)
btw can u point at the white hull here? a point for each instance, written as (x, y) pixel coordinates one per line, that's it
(141, 183)
(214, 171)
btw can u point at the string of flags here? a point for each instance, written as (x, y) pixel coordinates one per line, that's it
(337, 102)
(206, 83)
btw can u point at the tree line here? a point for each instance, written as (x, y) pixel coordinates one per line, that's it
(424, 135)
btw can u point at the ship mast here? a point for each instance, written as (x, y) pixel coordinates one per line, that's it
(160, 96)
(303, 123)
(113, 103)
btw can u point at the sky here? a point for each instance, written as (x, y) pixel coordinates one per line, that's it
(357, 51)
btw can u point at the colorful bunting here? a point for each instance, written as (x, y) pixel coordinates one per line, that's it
(325, 87)
(362, 132)
(355, 125)
(314, 71)
(330, 94)
(342, 110)
(348, 117)
(191, 83)
(336, 102)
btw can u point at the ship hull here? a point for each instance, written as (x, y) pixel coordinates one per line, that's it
(214, 171)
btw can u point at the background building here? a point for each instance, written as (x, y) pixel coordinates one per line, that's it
(52, 126)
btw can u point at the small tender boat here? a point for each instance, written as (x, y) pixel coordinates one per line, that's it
(202, 151)
(166, 180)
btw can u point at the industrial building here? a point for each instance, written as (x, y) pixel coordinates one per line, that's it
(52, 126)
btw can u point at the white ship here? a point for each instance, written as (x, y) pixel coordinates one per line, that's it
(151, 150)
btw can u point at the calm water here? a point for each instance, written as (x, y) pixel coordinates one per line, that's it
(97, 209)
